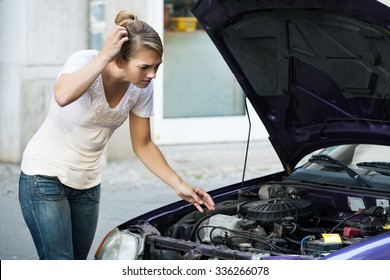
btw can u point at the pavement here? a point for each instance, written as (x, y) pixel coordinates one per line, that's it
(129, 189)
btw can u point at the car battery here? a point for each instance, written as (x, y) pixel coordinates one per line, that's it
(319, 247)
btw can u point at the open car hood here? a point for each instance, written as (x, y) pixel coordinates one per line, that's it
(316, 72)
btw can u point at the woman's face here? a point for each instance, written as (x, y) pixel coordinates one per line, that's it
(142, 67)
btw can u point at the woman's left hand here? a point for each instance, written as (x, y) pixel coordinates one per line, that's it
(196, 196)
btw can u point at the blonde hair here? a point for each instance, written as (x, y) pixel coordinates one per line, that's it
(140, 35)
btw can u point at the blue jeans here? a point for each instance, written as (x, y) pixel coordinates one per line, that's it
(62, 220)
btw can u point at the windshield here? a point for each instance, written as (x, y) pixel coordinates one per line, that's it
(353, 156)
(358, 165)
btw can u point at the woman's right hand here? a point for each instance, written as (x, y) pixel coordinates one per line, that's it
(70, 87)
(114, 42)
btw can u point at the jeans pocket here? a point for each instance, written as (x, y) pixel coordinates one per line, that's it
(48, 187)
(94, 193)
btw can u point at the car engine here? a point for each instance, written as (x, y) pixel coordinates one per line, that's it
(277, 220)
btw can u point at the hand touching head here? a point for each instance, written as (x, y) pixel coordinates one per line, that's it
(140, 34)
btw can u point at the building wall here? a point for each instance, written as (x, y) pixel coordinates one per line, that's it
(36, 37)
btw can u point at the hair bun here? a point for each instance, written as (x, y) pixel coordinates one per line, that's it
(123, 18)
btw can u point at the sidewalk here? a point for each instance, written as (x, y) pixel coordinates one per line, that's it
(129, 189)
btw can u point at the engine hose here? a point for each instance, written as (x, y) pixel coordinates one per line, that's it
(289, 239)
(196, 225)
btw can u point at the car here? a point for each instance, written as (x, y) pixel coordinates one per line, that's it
(317, 73)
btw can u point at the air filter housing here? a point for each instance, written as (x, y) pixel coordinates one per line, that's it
(274, 210)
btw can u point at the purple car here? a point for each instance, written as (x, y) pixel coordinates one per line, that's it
(318, 75)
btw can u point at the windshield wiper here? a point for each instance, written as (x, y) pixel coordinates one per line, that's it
(326, 160)
(377, 166)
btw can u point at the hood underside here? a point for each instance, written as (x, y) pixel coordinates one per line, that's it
(316, 72)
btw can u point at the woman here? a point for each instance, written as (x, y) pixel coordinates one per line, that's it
(59, 185)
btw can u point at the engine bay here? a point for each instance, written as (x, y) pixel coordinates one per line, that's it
(274, 220)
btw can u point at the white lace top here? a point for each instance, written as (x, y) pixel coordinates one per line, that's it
(70, 142)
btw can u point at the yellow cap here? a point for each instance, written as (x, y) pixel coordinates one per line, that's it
(331, 238)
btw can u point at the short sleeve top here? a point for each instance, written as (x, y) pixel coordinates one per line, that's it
(71, 140)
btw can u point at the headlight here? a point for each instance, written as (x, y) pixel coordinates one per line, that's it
(120, 245)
